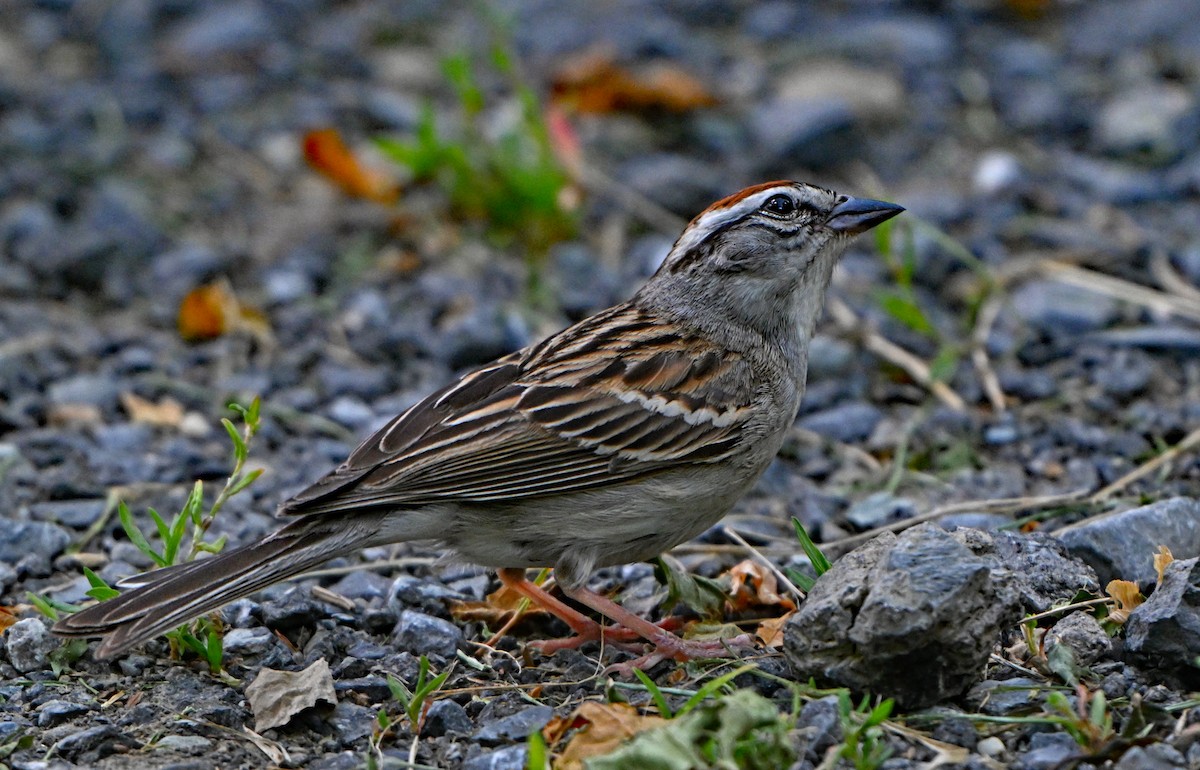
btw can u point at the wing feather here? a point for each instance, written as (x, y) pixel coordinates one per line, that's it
(618, 396)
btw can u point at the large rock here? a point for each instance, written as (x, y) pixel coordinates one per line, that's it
(1163, 634)
(912, 617)
(1122, 545)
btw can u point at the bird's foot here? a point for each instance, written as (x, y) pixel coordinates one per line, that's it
(614, 636)
(668, 646)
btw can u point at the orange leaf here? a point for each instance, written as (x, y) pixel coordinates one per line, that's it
(327, 153)
(605, 727)
(166, 413)
(770, 632)
(753, 585)
(593, 82)
(1161, 560)
(8, 616)
(496, 608)
(209, 311)
(1127, 596)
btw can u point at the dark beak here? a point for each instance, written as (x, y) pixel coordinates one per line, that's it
(857, 215)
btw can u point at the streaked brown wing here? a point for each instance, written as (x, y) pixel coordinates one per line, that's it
(614, 397)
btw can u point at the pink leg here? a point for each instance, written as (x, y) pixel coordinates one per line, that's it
(586, 629)
(666, 644)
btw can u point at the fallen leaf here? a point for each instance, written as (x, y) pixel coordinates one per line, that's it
(277, 696)
(328, 154)
(167, 413)
(1127, 596)
(1161, 560)
(274, 751)
(602, 728)
(209, 311)
(753, 585)
(593, 82)
(770, 632)
(74, 414)
(8, 616)
(564, 140)
(723, 732)
(703, 595)
(498, 607)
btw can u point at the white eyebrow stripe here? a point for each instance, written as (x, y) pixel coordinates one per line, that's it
(710, 221)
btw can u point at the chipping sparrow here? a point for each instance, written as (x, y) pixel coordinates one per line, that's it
(609, 442)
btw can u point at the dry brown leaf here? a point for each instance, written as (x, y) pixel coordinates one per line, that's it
(753, 585)
(593, 82)
(1161, 560)
(167, 413)
(1127, 597)
(74, 414)
(603, 727)
(209, 311)
(8, 616)
(770, 632)
(495, 609)
(277, 696)
(328, 154)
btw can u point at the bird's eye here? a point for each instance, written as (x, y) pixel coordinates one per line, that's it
(779, 206)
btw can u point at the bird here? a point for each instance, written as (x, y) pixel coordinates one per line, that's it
(607, 443)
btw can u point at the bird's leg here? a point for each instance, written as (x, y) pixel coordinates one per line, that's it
(666, 644)
(586, 629)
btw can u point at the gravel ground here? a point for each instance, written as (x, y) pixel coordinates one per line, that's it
(1049, 156)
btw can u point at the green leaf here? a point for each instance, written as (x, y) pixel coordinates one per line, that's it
(943, 365)
(100, 590)
(1061, 660)
(801, 581)
(905, 309)
(660, 701)
(66, 654)
(703, 595)
(239, 444)
(537, 757)
(401, 693)
(135, 535)
(246, 480)
(820, 563)
(213, 547)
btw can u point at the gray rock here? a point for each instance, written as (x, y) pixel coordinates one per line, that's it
(821, 725)
(1163, 634)
(848, 423)
(77, 514)
(31, 545)
(1081, 633)
(446, 716)
(352, 722)
(1048, 751)
(1153, 123)
(879, 509)
(1044, 572)
(1056, 307)
(91, 389)
(1156, 756)
(188, 744)
(1156, 338)
(96, 741)
(812, 134)
(507, 758)
(515, 726)
(29, 644)
(54, 712)
(248, 641)
(1122, 545)
(912, 617)
(423, 634)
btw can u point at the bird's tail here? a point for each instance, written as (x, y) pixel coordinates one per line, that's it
(167, 598)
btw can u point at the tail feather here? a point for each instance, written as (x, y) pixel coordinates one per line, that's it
(167, 598)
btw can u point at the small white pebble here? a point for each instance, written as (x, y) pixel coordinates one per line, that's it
(990, 747)
(996, 171)
(194, 424)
